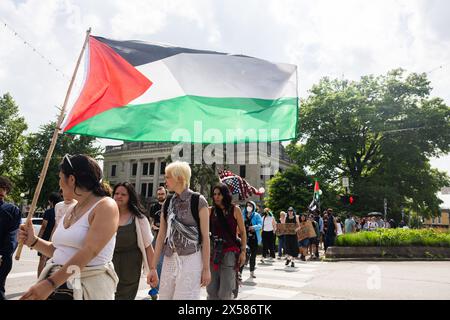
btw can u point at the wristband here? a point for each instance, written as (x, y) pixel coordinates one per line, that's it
(52, 283)
(34, 242)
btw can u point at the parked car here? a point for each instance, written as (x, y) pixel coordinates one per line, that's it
(37, 223)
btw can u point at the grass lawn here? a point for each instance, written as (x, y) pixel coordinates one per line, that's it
(395, 238)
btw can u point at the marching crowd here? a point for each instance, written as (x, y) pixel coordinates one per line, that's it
(95, 242)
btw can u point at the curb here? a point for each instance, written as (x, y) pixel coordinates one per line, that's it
(384, 259)
(412, 253)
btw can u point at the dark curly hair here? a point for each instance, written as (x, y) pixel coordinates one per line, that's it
(6, 184)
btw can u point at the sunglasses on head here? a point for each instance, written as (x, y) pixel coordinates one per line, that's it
(67, 157)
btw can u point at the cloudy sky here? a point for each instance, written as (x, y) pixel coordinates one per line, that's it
(335, 38)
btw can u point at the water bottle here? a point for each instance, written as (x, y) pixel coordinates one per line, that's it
(153, 293)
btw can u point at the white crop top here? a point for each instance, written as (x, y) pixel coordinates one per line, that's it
(68, 241)
(268, 223)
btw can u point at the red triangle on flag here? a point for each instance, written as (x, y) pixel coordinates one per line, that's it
(111, 82)
(316, 186)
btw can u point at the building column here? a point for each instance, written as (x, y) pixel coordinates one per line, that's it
(138, 176)
(156, 176)
(127, 170)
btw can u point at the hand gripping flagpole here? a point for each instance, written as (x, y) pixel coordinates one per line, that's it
(52, 144)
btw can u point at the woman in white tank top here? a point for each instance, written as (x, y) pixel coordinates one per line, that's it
(83, 242)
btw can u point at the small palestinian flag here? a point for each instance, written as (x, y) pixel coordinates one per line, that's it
(315, 203)
(138, 91)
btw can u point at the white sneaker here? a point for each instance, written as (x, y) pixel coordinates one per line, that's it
(252, 274)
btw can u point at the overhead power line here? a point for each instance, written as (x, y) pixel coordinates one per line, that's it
(36, 51)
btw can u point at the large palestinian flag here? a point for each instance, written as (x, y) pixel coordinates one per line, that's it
(138, 91)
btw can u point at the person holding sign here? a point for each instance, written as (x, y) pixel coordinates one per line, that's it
(291, 239)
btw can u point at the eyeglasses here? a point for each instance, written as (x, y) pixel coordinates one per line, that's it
(67, 157)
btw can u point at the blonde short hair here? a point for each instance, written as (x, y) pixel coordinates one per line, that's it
(282, 213)
(180, 169)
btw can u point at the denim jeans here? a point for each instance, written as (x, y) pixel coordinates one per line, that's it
(281, 245)
(160, 263)
(5, 268)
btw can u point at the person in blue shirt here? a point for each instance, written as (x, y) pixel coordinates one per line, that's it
(10, 217)
(253, 225)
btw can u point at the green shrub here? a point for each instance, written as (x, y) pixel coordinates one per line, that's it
(395, 238)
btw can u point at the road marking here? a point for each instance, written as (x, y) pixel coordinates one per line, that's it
(290, 273)
(289, 279)
(14, 296)
(287, 283)
(22, 275)
(268, 292)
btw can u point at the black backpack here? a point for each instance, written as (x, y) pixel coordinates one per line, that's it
(194, 210)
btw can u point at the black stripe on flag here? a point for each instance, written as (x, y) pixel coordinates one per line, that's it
(139, 52)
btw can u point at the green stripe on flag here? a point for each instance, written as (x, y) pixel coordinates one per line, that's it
(158, 121)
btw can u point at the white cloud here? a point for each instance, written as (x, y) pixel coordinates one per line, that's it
(347, 38)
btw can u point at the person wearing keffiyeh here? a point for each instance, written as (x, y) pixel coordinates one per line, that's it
(186, 255)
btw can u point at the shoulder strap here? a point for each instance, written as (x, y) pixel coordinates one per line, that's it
(194, 210)
(166, 206)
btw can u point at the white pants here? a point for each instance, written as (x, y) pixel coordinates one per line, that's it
(181, 277)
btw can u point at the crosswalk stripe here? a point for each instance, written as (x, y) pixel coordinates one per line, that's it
(287, 283)
(307, 265)
(289, 280)
(21, 275)
(294, 275)
(268, 292)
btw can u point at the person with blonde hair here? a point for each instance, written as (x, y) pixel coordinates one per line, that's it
(183, 238)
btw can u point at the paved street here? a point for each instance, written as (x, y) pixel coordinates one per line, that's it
(312, 280)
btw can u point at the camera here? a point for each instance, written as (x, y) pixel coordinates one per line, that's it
(218, 249)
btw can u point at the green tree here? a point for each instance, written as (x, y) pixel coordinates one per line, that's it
(293, 187)
(12, 127)
(380, 132)
(36, 151)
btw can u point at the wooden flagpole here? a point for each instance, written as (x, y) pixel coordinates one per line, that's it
(52, 144)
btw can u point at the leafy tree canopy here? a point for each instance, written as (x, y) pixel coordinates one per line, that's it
(380, 132)
(36, 151)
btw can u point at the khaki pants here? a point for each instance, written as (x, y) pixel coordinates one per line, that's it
(181, 277)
